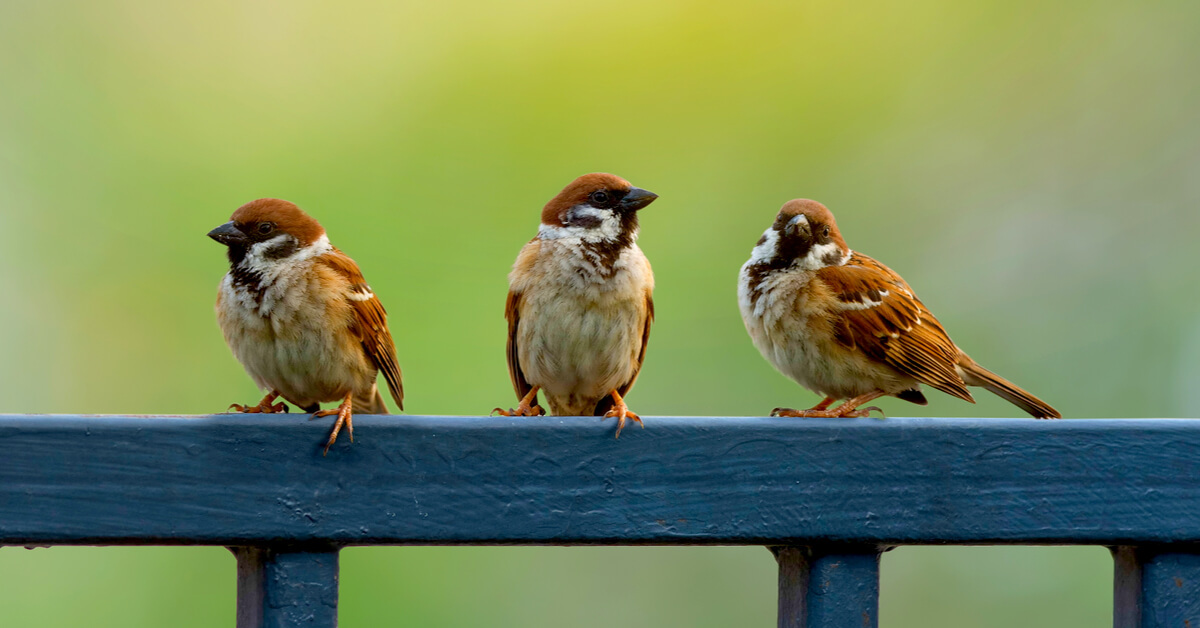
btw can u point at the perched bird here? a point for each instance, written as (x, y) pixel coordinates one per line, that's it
(845, 326)
(301, 319)
(579, 303)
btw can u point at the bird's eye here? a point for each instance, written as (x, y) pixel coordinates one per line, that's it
(599, 197)
(266, 227)
(826, 231)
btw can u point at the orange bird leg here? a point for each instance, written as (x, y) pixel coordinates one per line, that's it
(621, 411)
(524, 408)
(847, 410)
(265, 406)
(343, 418)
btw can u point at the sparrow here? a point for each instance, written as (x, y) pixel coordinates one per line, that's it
(579, 303)
(847, 327)
(300, 317)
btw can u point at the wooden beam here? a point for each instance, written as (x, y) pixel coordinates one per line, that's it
(258, 480)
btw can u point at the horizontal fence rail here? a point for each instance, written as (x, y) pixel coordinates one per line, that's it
(826, 495)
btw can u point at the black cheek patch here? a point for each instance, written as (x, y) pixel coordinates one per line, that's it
(832, 257)
(761, 240)
(282, 250)
(580, 219)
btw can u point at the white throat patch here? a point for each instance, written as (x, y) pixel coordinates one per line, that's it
(765, 251)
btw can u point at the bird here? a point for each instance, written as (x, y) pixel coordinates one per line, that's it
(847, 327)
(580, 303)
(299, 316)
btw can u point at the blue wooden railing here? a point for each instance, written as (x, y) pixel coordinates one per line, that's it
(827, 496)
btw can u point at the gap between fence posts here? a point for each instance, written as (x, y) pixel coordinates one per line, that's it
(287, 587)
(828, 587)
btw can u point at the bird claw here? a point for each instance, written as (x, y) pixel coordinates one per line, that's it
(826, 414)
(345, 417)
(520, 410)
(261, 408)
(622, 412)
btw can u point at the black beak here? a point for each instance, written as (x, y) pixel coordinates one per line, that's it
(228, 234)
(637, 198)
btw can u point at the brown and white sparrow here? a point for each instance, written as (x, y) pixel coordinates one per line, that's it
(301, 319)
(579, 303)
(846, 327)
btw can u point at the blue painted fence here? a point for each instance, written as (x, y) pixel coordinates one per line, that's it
(827, 496)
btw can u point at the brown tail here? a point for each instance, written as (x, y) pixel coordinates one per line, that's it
(369, 402)
(975, 375)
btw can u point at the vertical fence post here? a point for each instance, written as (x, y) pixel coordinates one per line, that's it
(828, 587)
(1156, 587)
(286, 587)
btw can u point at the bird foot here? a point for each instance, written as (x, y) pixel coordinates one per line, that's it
(522, 409)
(836, 413)
(264, 407)
(621, 412)
(343, 419)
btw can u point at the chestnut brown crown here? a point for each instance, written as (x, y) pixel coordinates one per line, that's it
(257, 225)
(600, 190)
(272, 216)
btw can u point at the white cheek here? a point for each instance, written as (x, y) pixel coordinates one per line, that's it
(608, 229)
(256, 258)
(816, 257)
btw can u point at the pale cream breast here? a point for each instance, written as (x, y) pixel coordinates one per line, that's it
(581, 328)
(299, 340)
(788, 318)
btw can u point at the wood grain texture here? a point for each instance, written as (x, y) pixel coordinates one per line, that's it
(260, 479)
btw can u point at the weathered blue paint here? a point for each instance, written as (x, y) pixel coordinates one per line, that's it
(254, 479)
(828, 587)
(824, 493)
(1156, 587)
(287, 587)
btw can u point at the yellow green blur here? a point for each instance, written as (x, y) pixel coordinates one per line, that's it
(1030, 168)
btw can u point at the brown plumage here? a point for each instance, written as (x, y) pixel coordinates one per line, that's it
(300, 317)
(848, 327)
(579, 306)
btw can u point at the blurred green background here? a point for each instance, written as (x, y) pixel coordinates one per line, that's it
(1032, 169)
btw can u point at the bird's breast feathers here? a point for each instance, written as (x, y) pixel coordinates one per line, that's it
(294, 334)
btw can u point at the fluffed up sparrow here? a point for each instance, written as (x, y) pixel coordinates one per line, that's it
(846, 327)
(301, 319)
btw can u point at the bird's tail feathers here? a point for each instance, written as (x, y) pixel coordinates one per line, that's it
(975, 375)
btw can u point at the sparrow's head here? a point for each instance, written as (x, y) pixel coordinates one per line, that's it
(268, 230)
(805, 236)
(595, 208)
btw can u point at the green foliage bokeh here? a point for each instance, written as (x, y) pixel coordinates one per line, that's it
(1030, 168)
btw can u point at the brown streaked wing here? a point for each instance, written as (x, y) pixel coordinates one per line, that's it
(370, 323)
(512, 313)
(886, 321)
